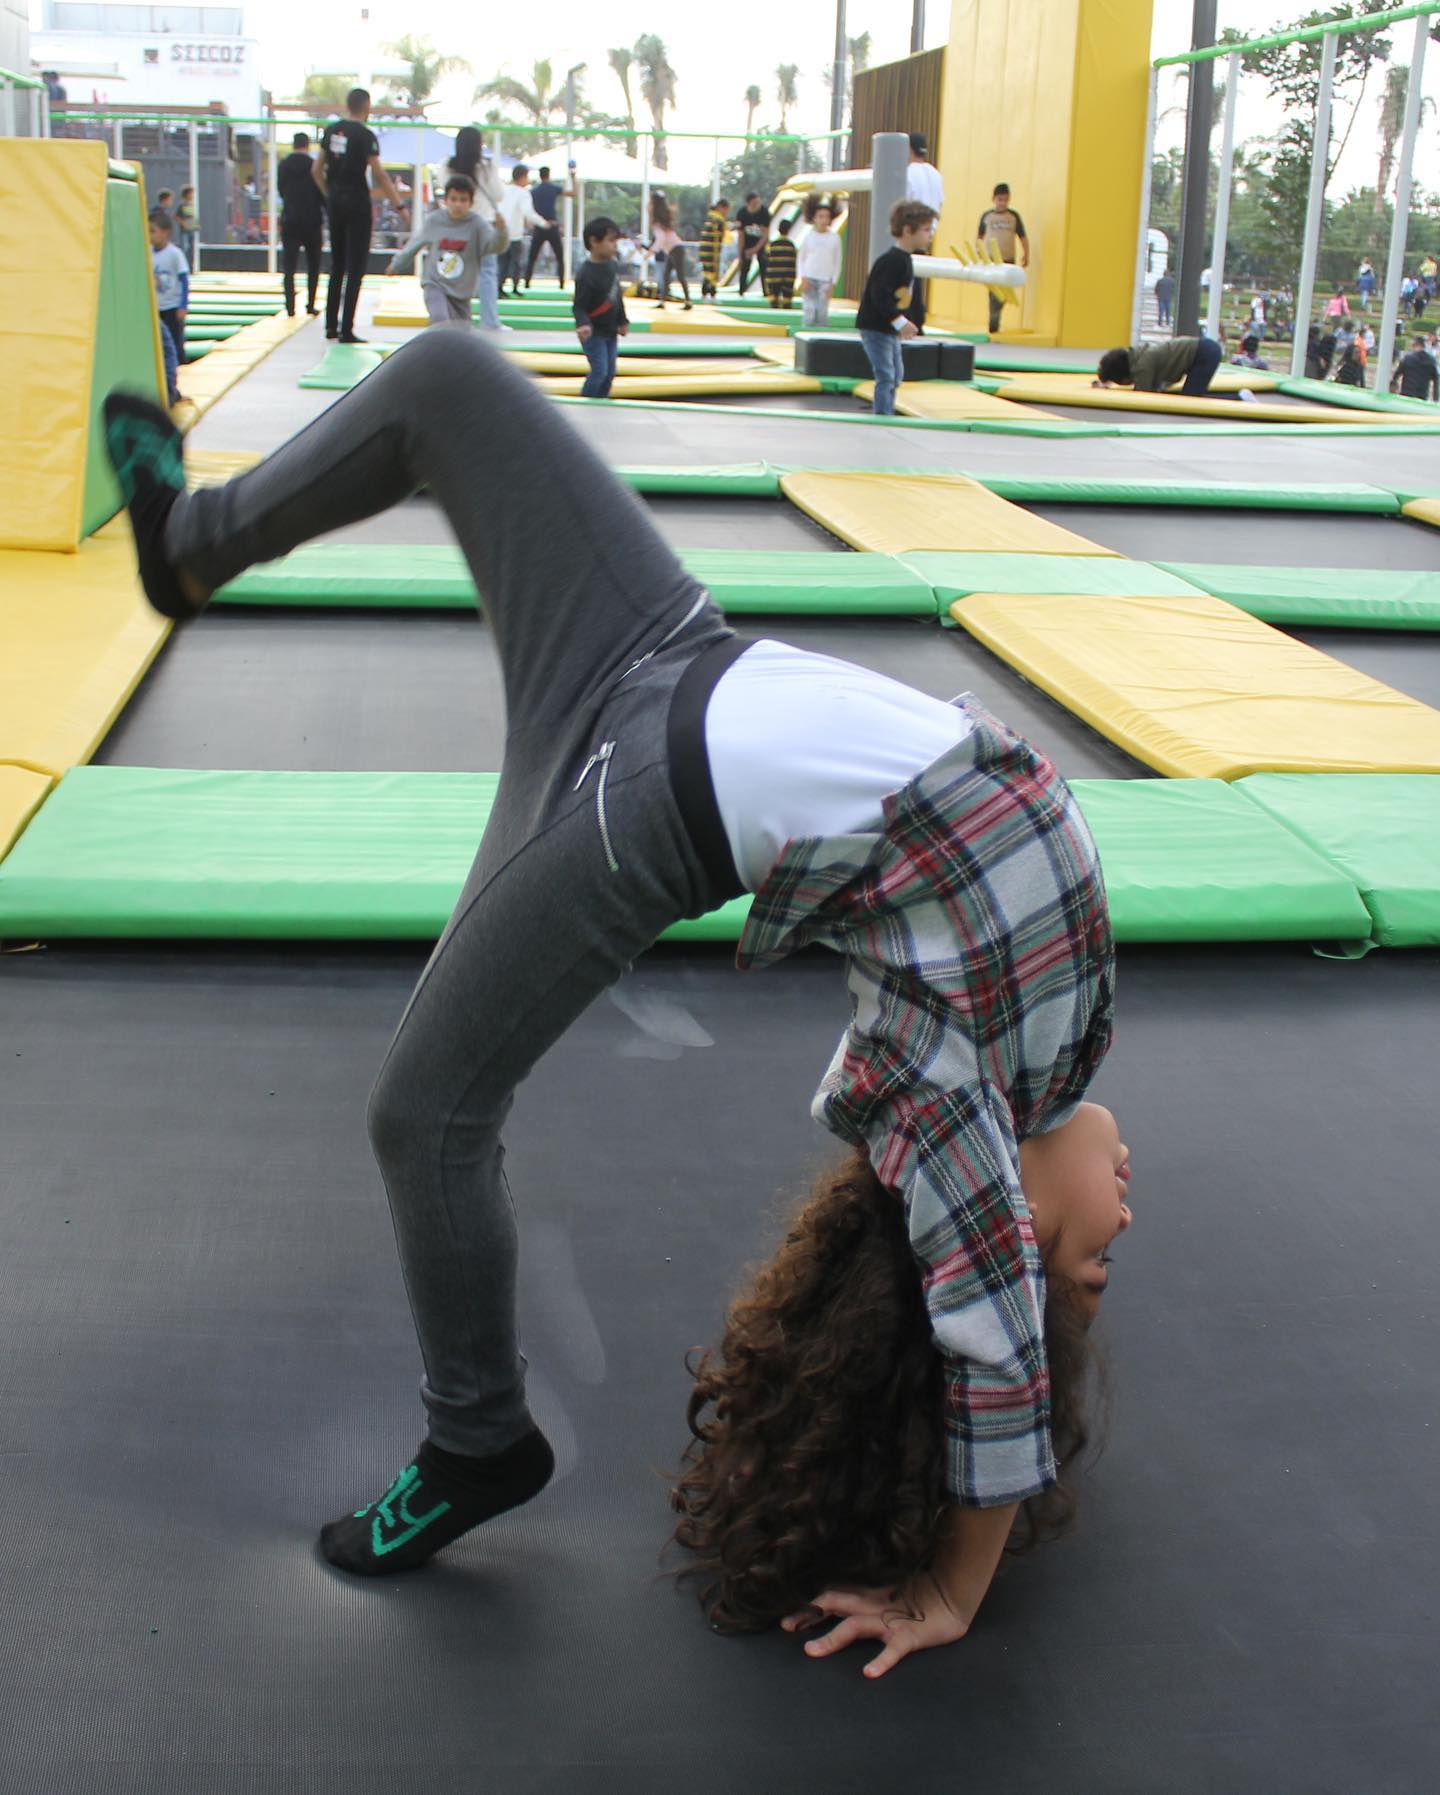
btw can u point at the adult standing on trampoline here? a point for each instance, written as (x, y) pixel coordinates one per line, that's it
(656, 765)
(546, 199)
(349, 151)
(302, 221)
(752, 235)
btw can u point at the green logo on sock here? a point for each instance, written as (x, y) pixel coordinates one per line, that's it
(136, 446)
(397, 1497)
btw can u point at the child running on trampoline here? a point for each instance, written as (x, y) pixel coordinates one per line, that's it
(902, 1376)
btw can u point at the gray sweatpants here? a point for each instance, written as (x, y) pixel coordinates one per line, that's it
(586, 858)
(444, 308)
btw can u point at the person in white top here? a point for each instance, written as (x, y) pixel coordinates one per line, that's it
(923, 183)
(819, 266)
(520, 216)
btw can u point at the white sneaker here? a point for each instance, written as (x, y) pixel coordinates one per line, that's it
(1247, 396)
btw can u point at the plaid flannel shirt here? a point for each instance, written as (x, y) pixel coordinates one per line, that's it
(981, 975)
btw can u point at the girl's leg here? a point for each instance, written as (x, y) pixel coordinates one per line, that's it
(676, 258)
(489, 291)
(594, 387)
(576, 582)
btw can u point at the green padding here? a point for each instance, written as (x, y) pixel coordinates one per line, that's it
(1343, 597)
(197, 351)
(1238, 494)
(1381, 829)
(1104, 576)
(343, 365)
(992, 357)
(131, 851)
(434, 576)
(746, 479)
(1353, 398)
(1183, 861)
(210, 333)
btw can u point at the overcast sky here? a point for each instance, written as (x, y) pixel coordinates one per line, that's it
(717, 51)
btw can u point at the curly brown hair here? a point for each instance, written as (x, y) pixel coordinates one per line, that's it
(823, 1460)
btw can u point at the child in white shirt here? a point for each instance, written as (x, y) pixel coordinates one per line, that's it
(819, 267)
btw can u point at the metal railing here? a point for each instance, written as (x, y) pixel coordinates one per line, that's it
(22, 94)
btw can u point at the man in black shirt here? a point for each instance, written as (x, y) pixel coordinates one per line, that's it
(1416, 375)
(546, 198)
(349, 150)
(301, 221)
(752, 232)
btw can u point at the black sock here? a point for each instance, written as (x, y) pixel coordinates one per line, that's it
(144, 450)
(436, 1498)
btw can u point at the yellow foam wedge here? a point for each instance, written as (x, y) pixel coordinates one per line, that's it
(1424, 511)
(22, 792)
(1060, 389)
(76, 635)
(704, 321)
(213, 467)
(1198, 689)
(956, 399)
(902, 514)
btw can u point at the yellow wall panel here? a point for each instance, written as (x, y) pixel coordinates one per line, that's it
(1050, 96)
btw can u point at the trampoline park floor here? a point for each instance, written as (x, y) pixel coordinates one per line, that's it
(206, 1349)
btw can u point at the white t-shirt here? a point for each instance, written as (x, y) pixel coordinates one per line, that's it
(819, 257)
(922, 182)
(517, 211)
(800, 744)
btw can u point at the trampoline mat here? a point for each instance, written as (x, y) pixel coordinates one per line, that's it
(1259, 538)
(689, 521)
(421, 691)
(206, 1351)
(1407, 660)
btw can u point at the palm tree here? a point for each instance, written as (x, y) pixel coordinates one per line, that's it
(1392, 123)
(785, 90)
(657, 87)
(427, 67)
(539, 102)
(752, 100)
(620, 61)
(326, 91)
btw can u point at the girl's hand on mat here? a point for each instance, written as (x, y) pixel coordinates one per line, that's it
(584, 332)
(918, 1617)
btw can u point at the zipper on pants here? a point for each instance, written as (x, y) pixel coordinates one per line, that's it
(601, 758)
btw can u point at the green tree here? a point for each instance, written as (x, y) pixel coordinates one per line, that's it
(752, 101)
(538, 103)
(764, 168)
(857, 60)
(326, 93)
(620, 61)
(427, 67)
(785, 91)
(657, 88)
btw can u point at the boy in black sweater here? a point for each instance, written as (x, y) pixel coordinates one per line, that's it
(600, 319)
(881, 318)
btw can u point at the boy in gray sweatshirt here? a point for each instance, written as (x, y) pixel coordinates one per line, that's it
(454, 239)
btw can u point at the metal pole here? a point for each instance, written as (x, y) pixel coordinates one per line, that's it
(917, 27)
(1314, 207)
(495, 149)
(1147, 169)
(7, 109)
(889, 163)
(417, 180)
(194, 160)
(1222, 197)
(271, 261)
(1395, 265)
(1199, 115)
(644, 210)
(837, 86)
(568, 205)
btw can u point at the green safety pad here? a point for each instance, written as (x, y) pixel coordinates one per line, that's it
(205, 332)
(1328, 597)
(343, 365)
(1381, 829)
(434, 576)
(743, 479)
(197, 351)
(1184, 861)
(957, 575)
(1238, 494)
(136, 851)
(1352, 398)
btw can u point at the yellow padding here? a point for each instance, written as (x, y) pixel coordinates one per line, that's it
(203, 382)
(213, 467)
(953, 399)
(704, 321)
(1424, 511)
(1198, 689)
(75, 637)
(1059, 389)
(901, 514)
(730, 384)
(540, 361)
(21, 795)
(1224, 380)
(778, 350)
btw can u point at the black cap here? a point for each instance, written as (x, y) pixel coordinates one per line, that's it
(918, 143)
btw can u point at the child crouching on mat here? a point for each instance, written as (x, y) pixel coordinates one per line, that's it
(454, 239)
(901, 1378)
(1155, 367)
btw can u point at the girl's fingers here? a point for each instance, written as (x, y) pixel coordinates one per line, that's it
(858, 1626)
(900, 1643)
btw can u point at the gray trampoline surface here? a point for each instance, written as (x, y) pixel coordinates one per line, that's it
(206, 1350)
(1259, 538)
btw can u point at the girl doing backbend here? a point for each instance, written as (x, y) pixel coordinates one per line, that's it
(885, 1398)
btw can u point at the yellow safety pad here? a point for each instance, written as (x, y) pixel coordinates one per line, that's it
(75, 637)
(733, 383)
(203, 382)
(780, 351)
(51, 239)
(955, 399)
(21, 794)
(901, 514)
(1424, 511)
(704, 321)
(1224, 380)
(1198, 689)
(1059, 389)
(213, 467)
(539, 361)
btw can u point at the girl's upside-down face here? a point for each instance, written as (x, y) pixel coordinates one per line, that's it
(1076, 1181)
